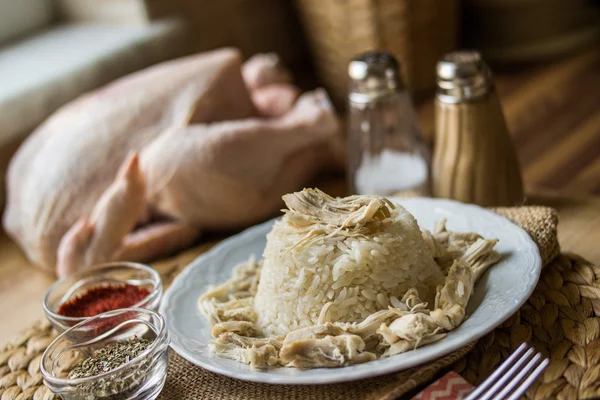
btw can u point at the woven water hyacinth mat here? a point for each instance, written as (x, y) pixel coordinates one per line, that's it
(561, 319)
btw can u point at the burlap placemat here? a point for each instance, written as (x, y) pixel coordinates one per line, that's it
(562, 318)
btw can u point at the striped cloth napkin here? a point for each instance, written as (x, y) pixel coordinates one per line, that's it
(451, 386)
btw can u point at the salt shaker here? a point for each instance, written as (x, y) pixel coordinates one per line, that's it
(386, 151)
(474, 159)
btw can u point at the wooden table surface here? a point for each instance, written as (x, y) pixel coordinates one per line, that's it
(553, 112)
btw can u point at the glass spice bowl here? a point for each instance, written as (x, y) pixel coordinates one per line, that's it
(80, 282)
(141, 378)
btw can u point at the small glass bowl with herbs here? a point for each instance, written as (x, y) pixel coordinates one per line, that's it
(117, 355)
(101, 288)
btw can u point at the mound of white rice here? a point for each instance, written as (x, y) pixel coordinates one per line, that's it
(339, 277)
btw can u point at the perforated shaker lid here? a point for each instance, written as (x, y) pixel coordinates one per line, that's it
(463, 75)
(372, 75)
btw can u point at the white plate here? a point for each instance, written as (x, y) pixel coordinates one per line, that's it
(498, 294)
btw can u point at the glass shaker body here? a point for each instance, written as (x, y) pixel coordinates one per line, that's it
(386, 151)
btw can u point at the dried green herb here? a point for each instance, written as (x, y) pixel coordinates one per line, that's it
(109, 358)
(134, 381)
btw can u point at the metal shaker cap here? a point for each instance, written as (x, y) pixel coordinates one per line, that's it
(462, 76)
(372, 75)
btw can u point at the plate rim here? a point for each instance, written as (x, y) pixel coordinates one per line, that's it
(375, 372)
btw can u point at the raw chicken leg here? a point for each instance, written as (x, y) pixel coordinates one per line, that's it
(270, 85)
(114, 216)
(219, 142)
(263, 70)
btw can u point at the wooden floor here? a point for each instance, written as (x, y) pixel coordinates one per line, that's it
(553, 113)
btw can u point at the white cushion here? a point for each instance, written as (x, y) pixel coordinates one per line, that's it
(18, 17)
(40, 74)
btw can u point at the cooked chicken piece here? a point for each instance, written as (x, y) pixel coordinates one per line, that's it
(451, 300)
(405, 345)
(329, 352)
(243, 281)
(440, 226)
(367, 328)
(247, 275)
(436, 248)
(257, 357)
(314, 332)
(412, 330)
(218, 293)
(247, 341)
(239, 314)
(312, 206)
(237, 310)
(210, 308)
(480, 255)
(387, 334)
(243, 328)
(413, 301)
(440, 253)
(233, 299)
(218, 141)
(448, 246)
(410, 327)
(459, 242)
(258, 352)
(455, 243)
(262, 356)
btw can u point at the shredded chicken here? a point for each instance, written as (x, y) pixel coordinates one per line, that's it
(244, 328)
(447, 247)
(406, 324)
(314, 332)
(405, 345)
(312, 206)
(451, 300)
(368, 327)
(329, 351)
(480, 255)
(257, 357)
(258, 352)
(233, 300)
(422, 327)
(248, 342)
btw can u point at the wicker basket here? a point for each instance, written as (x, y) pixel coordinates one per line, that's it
(253, 26)
(417, 32)
(523, 31)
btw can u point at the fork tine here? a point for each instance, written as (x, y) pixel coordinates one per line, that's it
(508, 375)
(521, 389)
(514, 382)
(492, 378)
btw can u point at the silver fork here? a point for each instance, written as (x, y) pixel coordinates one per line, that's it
(511, 379)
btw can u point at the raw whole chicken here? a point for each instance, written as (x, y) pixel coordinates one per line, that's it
(138, 168)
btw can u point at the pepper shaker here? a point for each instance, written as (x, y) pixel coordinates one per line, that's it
(474, 158)
(386, 151)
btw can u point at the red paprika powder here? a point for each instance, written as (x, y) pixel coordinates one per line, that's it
(101, 299)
